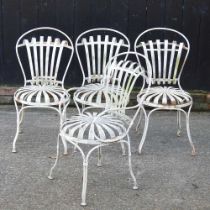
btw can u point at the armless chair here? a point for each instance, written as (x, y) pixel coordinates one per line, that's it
(94, 48)
(97, 128)
(167, 50)
(44, 55)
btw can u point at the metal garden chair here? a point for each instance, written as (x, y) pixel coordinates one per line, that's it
(112, 125)
(94, 48)
(167, 56)
(44, 55)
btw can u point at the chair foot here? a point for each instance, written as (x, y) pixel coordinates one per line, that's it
(65, 153)
(139, 152)
(75, 149)
(99, 164)
(20, 130)
(83, 204)
(50, 177)
(14, 150)
(178, 133)
(52, 156)
(193, 153)
(138, 131)
(135, 187)
(123, 153)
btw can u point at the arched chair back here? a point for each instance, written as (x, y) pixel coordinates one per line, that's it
(44, 55)
(167, 50)
(123, 70)
(95, 47)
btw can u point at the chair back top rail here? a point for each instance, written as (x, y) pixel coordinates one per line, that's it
(167, 57)
(95, 47)
(45, 55)
(122, 74)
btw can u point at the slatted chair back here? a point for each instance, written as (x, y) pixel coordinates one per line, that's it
(167, 50)
(123, 71)
(44, 55)
(95, 47)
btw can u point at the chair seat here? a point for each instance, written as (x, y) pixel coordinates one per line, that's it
(86, 129)
(166, 97)
(41, 95)
(95, 95)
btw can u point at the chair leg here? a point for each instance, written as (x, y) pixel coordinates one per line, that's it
(135, 186)
(99, 156)
(146, 123)
(123, 148)
(139, 122)
(62, 112)
(178, 123)
(85, 170)
(21, 120)
(18, 112)
(188, 130)
(84, 182)
(65, 152)
(75, 149)
(78, 108)
(63, 115)
(56, 160)
(83, 106)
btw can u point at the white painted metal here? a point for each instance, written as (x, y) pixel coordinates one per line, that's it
(42, 88)
(94, 48)
(168, 58)
(112, 125)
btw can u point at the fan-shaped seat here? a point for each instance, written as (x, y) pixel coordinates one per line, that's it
(96, 94)
(83, 128)
(44, 95)
(166, 97)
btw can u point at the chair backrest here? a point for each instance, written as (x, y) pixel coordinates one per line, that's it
(44, 55)
(123, 70)
(95, 47)
(167, 50)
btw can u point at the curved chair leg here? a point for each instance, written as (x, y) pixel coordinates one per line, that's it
(85, 172)
(21, 120)
(78, 109)
(18, 112)
(123, 148)
(62, 112)
(84, 182)
(65, 152)
(75, 149)
(99, 157)
(178, 123)
(83, 106)
(135, 186)
(139, 122)
(56, 160)
(188, 130)
(146, 123)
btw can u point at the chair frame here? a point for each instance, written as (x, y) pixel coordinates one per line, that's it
(98, 143)
(175, 80)
(61, 107)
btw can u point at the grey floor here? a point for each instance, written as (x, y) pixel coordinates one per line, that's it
(169, 177)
